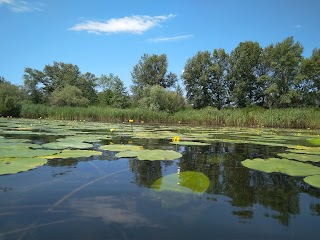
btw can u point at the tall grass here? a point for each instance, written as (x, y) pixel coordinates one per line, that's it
(247, 117)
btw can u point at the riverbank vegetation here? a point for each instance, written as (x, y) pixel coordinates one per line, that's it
(241, 117)
(275, 86)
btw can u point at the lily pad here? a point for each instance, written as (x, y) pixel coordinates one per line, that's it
(313, 151)
(183, 182)
(73, 154)
(121, 147)
(190, 143)
(151, 155)
(313, 180)
(12, 149)
(286, 166)
(15, 165)
(314, 141)
(301, 157)
(67, 144)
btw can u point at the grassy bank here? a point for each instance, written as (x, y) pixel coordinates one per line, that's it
(248, 117)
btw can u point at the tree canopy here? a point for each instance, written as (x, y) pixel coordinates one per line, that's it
(276, 76)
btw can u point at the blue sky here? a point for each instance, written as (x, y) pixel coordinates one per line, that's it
(110, 36)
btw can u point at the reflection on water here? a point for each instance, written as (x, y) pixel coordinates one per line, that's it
(85, 199)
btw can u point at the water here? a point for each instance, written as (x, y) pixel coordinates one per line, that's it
(104, 197)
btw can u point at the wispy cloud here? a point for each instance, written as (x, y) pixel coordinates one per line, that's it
(6, 1)
(171, 39)
(298, 27)
(20, 6)
(133, 24)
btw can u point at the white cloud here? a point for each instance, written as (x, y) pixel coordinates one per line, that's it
(19, 6)
(6, 1)
(134, 24)
(170, 39)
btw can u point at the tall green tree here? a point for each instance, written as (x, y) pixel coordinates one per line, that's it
(220, 84)
(113, 91)
(151, 70)
(197, 77)
(41, 84)
(11, 97)
(244, 61)
(309, 80)
(282, 64)
(33, 86)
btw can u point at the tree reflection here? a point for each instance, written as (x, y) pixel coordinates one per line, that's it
(145, 172)
(221, 162)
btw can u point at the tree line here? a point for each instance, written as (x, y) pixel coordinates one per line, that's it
(277, 76)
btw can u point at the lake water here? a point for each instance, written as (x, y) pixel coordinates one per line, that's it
(105, 197)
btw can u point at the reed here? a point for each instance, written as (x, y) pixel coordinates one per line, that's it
(247, 117)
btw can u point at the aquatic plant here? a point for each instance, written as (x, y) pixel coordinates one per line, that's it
(183, 182)
(285, 166)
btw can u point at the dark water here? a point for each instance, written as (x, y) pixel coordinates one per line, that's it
(107, 198)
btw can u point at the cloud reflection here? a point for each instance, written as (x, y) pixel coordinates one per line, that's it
(112, 210)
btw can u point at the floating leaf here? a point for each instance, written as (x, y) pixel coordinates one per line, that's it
(151, 155)
(313, 180)
(67, 144)
(314, 141)
(313, 151)
(84, 138)
(25, 150)
(190, 143)
(184, 182)
(73, 154)
(301, 157)
(121, 147)
(15, 165)
(286, 166)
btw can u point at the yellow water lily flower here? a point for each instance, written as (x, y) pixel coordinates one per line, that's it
(112, 130)
(176, 139)
(130, 120)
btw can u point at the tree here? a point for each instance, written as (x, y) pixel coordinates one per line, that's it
(309, 80)
(282, 64)
(114, 92)
(151, 70)
(219, 84)
(68, 96)
(197, 78)
(10, 98)
(157, 98)
(244, 61)
(32, 85)
(41, 84)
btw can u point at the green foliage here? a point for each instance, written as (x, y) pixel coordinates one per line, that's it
(250, 117)
(114, 92)
(205, 78)
(68, 96)
(281, 62)
(41, 84)
(157, 98)
(309, 80)
(10, 98)
(244, 64)
(197, 77)
(151, 70)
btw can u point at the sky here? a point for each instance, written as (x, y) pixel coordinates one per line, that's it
(110, 36)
